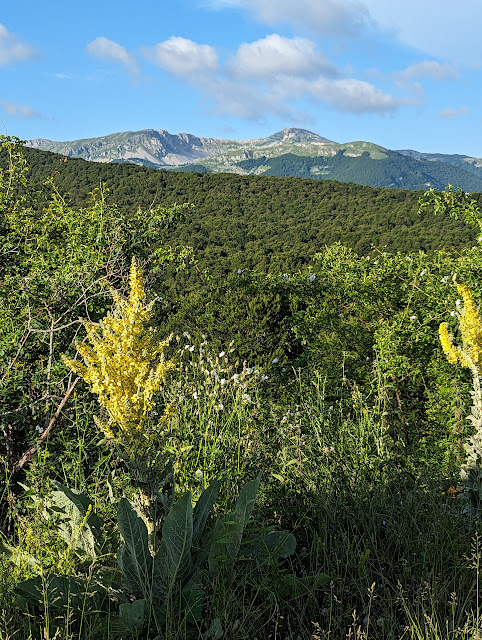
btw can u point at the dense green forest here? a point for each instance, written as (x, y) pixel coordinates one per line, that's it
(258, 221)
(394, 170)
(196, 450)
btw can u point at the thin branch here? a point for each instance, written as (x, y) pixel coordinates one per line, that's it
(57, 328)
(31, 450)
(49, 363)
(348, 308)
(31, 405)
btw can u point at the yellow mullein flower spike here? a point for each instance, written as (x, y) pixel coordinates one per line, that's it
(448, 343)
(470, 325)
(124, 365)
(469, 354)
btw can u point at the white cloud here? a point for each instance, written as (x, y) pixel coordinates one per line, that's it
(183, 57)
(267, 77)
(18, 110)
(109, 50)
(431, 26)
(326, 17)
(354, 96)
(256, 101)
(277, 55)
(223, 96)
(446, 114)
(430, 68)
(12, 49)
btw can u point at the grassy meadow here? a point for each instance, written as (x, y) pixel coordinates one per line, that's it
(274, 456)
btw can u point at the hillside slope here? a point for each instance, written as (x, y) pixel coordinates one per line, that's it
(394, 171)
(290, 152)
(258, 221)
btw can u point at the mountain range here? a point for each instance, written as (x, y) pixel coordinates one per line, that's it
(290, 152)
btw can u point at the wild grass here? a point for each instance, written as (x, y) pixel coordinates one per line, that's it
(382, 520)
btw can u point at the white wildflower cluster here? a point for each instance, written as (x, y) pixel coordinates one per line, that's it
(290, 417)
(210, 378)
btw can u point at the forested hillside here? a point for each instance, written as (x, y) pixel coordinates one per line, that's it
(258, 221)
(395, 170)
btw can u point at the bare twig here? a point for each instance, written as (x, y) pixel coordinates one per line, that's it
(30, 405)
(31, 450)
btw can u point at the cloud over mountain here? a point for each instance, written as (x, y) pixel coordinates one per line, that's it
(106, 49)
(183, 57)
(277, 55)
(13, 49)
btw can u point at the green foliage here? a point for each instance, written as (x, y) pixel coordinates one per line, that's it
(58, 264)
(453, 202)
(345, 400)
(79, 526)
(392, 170)
(259, 222)
(178, 569)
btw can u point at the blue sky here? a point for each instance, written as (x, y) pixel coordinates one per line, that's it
(400, 74)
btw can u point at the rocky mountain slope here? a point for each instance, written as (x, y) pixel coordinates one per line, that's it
(164, 149)
(290, 152)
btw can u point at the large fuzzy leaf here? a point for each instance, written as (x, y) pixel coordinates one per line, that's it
(268, 545)
(62, 592)
(133, 557)
(290, 587)
(80, 527)
(18, 557)
(173, 560)
(129, 622)
(247, 496)
(203, 509)
(215, 631)
(227, 535)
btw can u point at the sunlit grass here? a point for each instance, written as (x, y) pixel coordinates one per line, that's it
(403, 558)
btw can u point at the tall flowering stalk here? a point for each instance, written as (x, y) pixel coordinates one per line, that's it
(469, 355)
(124, 365)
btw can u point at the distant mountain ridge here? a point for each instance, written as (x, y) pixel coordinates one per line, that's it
(291, 152)
(159, 147)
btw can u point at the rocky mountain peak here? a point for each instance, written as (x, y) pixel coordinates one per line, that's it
(296, 135)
